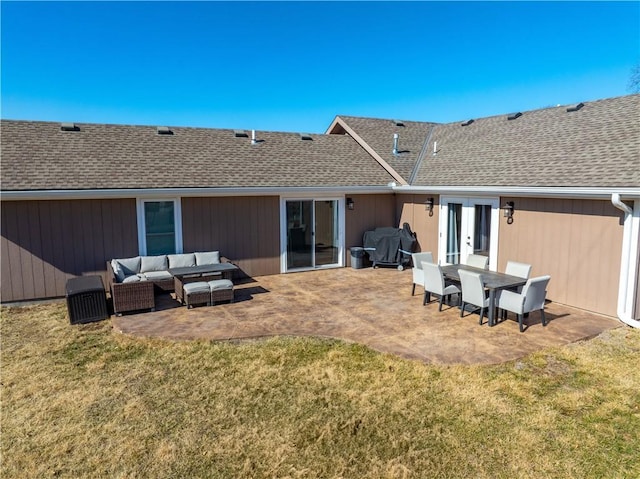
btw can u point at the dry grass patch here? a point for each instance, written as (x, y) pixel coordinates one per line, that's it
(81, 401)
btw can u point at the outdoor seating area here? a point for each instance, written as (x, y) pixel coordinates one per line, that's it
(486, 291)
(376, 310)
(134, 282)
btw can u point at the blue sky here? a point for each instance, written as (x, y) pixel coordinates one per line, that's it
(293, 66)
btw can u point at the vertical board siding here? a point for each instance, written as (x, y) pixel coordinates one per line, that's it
(370, 212)
(243, 229)
(577, 242)
(44, 243)
(412, 210)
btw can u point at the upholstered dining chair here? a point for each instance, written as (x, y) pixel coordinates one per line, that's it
(473, 292)
(418, 274)
(434, 284)
(478, 261)
(532, 298)
(521, 270)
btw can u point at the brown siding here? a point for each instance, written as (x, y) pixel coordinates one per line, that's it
(411, 209)
(369, 212)
(44, 243)
(244, 229)
(577, 242)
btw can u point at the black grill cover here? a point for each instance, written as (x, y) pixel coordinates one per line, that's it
(390, 245)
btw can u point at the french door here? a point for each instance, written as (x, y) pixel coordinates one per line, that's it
(312, 233)
(468, 226)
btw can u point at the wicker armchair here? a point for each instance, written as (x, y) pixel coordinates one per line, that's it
(130, 296)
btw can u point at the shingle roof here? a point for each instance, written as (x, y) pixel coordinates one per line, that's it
(595, 146)
(598, 145)
(378, 134)
(39, 156)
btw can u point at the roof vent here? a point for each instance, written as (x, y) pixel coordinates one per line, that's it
(69, 127)
(395, 143)
(514, 116)
(398, 122)
(164, 130)
(575, 108)
(240, 134)
(468, 122)
(305, 136)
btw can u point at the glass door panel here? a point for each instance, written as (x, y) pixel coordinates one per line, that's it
(300, 234)
(326, 232)
(454, 232)
(482, 229)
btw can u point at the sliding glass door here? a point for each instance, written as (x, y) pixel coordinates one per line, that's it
(312, 233)
(468, 226)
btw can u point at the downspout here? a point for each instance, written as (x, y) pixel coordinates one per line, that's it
(627, 264)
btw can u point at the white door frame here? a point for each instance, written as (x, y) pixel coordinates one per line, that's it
(283, 229)
(467, 226)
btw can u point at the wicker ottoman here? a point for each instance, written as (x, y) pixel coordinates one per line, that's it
(196, 293)
(221, 290)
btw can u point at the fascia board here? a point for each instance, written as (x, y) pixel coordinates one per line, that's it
(537, 192)
(174, 192)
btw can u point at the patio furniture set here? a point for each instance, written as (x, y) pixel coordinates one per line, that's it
(488, 291)
(195, 278)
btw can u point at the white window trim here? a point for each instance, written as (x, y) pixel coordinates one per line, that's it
(177, 218)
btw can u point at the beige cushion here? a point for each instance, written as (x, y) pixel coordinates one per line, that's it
(157, 275)
(153, 263)
(134, 278)
(219, 284)
(212, 257)
(125, 267)
(181, 260)
(198, 287)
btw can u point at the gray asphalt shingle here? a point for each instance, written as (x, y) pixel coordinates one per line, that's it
(39, 156)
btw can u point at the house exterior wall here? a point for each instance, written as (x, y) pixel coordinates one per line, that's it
(44, 243)
(411, 209)
(370, 212)
(244, 229)
(577, 242)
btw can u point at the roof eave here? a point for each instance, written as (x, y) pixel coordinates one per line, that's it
(178, 192)
(527, 191)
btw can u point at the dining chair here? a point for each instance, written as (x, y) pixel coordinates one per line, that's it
(478, 261)
(531, 298)
(521, 270)
(434, 283)
(418, 274)
(473, 292)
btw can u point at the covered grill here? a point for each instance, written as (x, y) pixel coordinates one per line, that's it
(390, 246)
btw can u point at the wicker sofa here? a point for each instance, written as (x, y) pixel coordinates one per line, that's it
(133, 282)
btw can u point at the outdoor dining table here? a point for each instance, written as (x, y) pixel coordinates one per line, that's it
(492, 280)
(222, 268)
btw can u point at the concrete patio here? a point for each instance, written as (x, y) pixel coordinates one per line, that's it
(367, 306)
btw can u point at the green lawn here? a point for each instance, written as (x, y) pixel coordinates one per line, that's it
(82, 401)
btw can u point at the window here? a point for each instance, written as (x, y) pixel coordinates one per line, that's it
(159, 227)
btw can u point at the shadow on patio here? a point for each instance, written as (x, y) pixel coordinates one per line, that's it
(367, 306)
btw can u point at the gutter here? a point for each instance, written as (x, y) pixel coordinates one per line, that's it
(193, 192)
(628, 262)
(524, 191)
